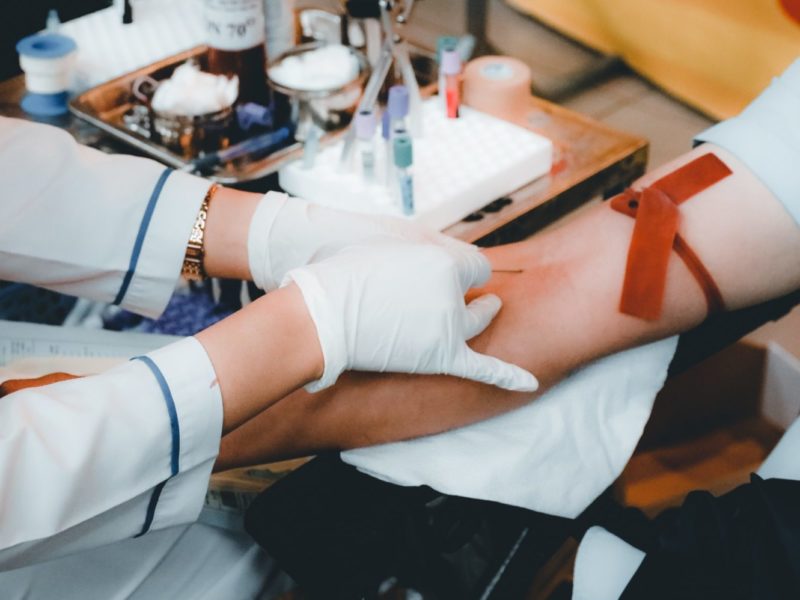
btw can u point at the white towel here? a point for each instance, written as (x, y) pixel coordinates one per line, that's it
(554, 455)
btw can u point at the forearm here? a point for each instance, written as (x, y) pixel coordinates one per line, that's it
(262, 353)
(560, 313)
(226, 234)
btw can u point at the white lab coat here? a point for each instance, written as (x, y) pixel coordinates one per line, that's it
(88, 462)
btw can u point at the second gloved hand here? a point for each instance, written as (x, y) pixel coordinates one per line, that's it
(399, 307)
(286, 233)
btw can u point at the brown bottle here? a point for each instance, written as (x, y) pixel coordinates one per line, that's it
(235, 37)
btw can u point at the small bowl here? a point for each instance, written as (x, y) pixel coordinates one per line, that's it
(328, 109)
(190, 135)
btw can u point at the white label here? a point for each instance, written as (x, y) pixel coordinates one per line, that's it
(234, 24)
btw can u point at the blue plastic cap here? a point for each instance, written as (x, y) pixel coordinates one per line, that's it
(398, 101)
(46, 45)
(403, 151)
(445, 42)
(45, 105)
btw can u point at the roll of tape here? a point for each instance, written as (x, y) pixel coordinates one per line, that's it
(498, 85)
(47, 75)
(47, 60)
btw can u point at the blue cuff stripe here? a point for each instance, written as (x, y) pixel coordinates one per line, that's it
(173, 413)
(143, 226)
(151, 508)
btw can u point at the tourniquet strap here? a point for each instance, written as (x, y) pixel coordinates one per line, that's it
(655, 235)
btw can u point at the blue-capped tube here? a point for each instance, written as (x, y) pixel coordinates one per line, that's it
(403, 161)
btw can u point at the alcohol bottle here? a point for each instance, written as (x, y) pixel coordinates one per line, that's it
(235, 37)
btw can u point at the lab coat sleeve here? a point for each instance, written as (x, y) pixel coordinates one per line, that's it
(91, 461)
(766, 137)
(604, 566)
(108, 227)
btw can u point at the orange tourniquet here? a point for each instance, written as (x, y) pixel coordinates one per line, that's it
(655, 235)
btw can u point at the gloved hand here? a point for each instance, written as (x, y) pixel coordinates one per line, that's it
(286, 233)
(399, 307)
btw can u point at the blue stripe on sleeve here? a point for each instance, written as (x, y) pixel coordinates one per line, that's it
(151, 508)
(173, 413)
(176, 440)
(139, 242)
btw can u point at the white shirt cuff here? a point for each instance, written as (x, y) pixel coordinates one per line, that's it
(604, 566)
(195, 394)
(164, 245)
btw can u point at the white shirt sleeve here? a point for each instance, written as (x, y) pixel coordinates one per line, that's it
(91, 461)
(604, 566)
(95, 460)
(75, 220)
(766, 137)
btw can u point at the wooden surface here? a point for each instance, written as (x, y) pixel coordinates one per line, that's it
(591, 159)
(717, 461)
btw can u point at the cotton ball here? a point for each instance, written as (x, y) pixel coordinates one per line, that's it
(191, 92)
(326, 68)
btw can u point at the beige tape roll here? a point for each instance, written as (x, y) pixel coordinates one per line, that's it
(498, 85)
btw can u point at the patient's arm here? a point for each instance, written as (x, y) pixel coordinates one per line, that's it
(560, 313)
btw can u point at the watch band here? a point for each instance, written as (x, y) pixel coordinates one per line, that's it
(193, 268)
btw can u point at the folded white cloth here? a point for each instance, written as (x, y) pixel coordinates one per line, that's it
(554, 455)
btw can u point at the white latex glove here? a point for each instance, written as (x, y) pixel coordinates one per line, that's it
(287, 233)
(400, 307)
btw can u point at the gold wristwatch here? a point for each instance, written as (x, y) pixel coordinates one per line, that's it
(193, 268)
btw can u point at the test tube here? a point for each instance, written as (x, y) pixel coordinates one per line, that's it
(403, 159)
(386, 134)
(397, 107)
(443, 42)
(451, 69)
(365, 134)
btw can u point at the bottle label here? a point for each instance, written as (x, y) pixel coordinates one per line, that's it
(234, 24)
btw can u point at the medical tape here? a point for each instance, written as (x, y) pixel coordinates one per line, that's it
(655, 236)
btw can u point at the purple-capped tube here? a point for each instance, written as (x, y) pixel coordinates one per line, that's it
(397, 107)
(366, 123)
(386, 134)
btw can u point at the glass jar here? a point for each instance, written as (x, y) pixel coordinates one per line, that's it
(235, 38)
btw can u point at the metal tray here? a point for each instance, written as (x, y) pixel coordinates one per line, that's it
(104, 106)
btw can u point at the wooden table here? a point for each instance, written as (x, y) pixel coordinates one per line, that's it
(591, 159)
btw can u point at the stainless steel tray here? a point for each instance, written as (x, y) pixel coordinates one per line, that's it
(104, 106)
